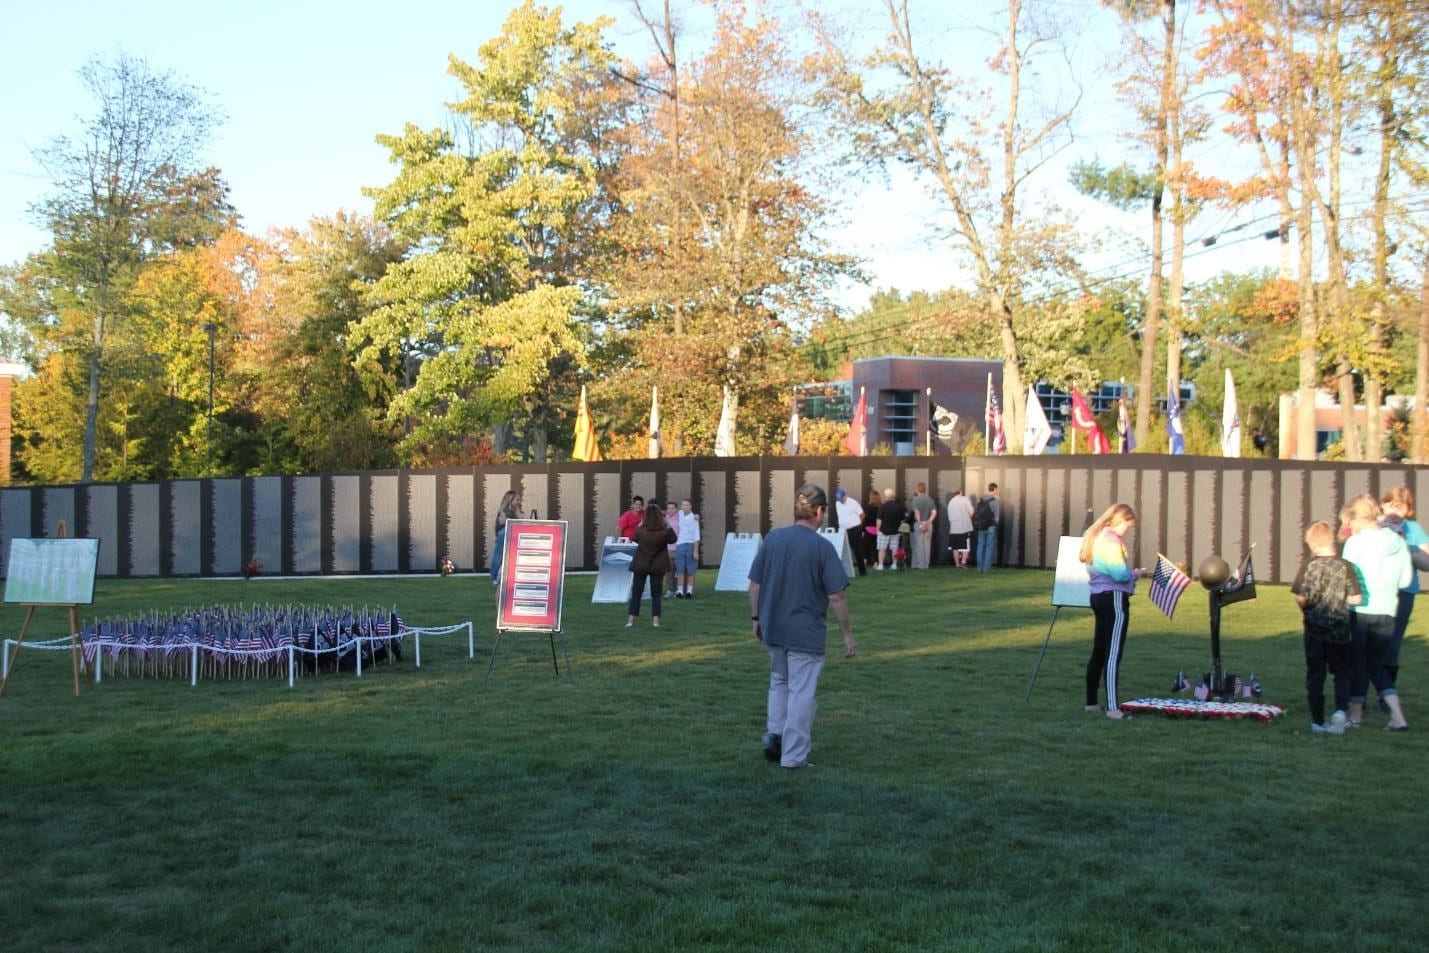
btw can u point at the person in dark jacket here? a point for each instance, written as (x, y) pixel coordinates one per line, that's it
(651, 561)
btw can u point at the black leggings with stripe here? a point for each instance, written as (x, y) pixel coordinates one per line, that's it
(1111, 610)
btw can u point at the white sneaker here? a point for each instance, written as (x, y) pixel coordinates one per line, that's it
(1339, 720)
(1327, 729)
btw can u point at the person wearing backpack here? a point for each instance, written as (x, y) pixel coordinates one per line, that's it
(985, 519)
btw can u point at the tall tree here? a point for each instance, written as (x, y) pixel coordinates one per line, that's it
(485, 313)
(122, 192)
(319, 411)
(752, 268)
(903, 107)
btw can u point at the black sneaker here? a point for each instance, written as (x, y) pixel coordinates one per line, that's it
(773, 746)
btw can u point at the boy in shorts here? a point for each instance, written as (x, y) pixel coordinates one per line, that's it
(1325, 588)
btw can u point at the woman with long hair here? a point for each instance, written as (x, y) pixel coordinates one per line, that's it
(651, 561)
(1381, 558)
(509, 509)
(1113, 580)
(1398, 506)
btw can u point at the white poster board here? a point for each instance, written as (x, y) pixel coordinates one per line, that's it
(838, 539)
(739, 552)
(612, 579)
(1071, 586)
(51, 572)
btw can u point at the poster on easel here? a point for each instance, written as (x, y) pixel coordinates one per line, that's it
(51, 572)
(56, 572)
(734, 563)
(1072, 585)
(531, 587)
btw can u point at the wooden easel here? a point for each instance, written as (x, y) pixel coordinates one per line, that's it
(61, 532)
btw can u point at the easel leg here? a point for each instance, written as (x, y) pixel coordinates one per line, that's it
(554, 663)
(74, 646)
(492, 662)
(19, 641)
(1043, 655)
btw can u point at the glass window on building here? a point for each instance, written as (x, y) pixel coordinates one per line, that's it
(900, 420)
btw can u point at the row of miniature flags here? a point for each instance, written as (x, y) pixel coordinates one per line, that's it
(1168, 582)
(947, 425)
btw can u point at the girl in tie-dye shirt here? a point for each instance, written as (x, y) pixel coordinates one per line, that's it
(1113, 580)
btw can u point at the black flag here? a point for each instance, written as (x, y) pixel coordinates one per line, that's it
(1242, 586)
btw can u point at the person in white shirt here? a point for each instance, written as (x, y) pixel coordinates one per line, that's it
(687, 552)
(851, 522)
(960, 527)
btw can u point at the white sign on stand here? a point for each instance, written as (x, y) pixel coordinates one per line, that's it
(739, 552)
(1071, 586)
(612, 580)
(838, 539)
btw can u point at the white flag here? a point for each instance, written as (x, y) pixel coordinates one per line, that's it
(1037, 431)
(1230, 421)
(724, 436)
(654, 424)
(791, 442)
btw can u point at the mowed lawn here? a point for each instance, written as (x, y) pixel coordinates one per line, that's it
(631, 809)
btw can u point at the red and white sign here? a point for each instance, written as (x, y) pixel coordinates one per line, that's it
(533, 572)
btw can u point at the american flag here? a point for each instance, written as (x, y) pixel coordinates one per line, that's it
(994, 420)
(1167, 584)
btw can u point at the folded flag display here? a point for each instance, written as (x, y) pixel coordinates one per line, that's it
(1167, 584)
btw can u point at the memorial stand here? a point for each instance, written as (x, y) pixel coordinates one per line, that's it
(56, 572)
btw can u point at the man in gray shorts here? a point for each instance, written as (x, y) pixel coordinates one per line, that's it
(795, 577)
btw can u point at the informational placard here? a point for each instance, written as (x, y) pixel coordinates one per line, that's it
(838, 539)
(612, 580)
(1071, 586)
(51, 572)
(531, 588)
(739, 551)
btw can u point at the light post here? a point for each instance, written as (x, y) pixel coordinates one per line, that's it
(212, 330)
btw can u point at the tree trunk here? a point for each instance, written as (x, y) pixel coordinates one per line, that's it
(1421, 374)
(91, 407)
(1175, 292)
(1309, 352)
(1014, 399)
(1147, 370)
(1339, 298)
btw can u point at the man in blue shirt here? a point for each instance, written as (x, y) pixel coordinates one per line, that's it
(795, 577)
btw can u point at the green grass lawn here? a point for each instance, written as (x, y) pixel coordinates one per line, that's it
(631, 809)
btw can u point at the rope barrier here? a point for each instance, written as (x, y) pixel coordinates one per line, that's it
(92, 647)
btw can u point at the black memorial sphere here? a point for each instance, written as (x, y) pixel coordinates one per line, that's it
(1213, 572)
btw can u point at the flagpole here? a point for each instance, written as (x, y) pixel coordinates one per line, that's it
(986, 418)
(928, 431)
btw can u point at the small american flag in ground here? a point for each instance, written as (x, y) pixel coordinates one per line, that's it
(1167, 584)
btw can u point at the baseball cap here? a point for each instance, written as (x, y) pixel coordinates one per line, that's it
(813, 495)
(839, 494)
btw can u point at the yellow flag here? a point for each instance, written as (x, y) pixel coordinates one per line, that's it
(586, 449)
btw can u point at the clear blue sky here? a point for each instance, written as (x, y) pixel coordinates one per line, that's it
(307, 85)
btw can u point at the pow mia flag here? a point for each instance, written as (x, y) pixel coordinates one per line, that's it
(949, 427)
